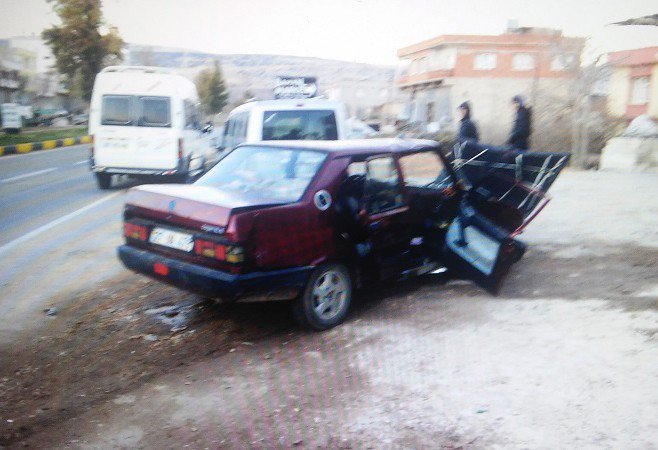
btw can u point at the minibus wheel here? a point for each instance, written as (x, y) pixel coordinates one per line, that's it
(104, 180)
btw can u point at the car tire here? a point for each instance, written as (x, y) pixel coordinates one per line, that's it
(104, 180)
(326, 299)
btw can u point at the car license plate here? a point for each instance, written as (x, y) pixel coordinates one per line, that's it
(172, 239)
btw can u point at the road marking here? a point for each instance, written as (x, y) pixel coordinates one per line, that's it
(27, 175)
(84, 161)
(26, 237)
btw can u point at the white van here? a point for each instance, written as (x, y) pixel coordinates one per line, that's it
(145, 123)
(269, 120)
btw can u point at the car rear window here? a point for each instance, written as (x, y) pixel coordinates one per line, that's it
(265, 174)
(117, 110)
(154, 112)
(297, 125)
(132, 110)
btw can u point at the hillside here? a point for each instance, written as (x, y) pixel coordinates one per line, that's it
(256, 73)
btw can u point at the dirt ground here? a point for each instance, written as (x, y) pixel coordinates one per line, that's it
(565, 356)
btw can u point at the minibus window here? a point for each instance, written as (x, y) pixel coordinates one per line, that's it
(116, 110)
(154, 112)
(192, 120)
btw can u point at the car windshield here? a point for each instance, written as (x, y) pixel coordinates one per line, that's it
(299, 125)
(265, 173)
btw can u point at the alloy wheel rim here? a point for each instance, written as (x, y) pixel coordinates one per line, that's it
(329, 294)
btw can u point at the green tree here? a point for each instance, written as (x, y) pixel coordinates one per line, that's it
(80, 49)
(212, 91)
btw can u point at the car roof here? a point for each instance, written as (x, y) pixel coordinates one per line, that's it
(353, 147)
(285, 104)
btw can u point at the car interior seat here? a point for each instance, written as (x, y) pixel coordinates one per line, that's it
(348, 200)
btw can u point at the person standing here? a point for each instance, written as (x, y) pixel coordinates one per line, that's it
(521, 129)
(468, 132)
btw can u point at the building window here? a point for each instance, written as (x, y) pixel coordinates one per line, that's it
(443, 59)
(523, 61)
(485, 61)
(414, 67)
(418, 65)
(422, 65)
(640, 92)
(562, 62)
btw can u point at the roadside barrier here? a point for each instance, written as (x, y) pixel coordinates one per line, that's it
(45, 145)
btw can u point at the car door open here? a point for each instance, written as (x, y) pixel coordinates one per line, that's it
(506, 190)
(386, 214)
(478, 249)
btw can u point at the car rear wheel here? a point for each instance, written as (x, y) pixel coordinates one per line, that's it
(326, 298)
(104, 180)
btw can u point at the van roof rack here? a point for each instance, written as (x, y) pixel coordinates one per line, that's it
(141, 69)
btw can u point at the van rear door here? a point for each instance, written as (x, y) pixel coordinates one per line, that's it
(136, 132)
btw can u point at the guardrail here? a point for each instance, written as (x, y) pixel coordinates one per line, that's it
(45, 145)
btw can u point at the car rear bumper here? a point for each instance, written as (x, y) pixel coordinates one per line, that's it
(182, 168)
(132, 171)
(283, 284)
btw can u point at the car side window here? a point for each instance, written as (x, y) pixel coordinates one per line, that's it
(421, 169)
(229, 130)
(240, 132)
(382, 188)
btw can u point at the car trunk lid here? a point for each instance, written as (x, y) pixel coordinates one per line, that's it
(190, 206)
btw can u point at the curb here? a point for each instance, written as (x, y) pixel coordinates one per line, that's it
(45, 145)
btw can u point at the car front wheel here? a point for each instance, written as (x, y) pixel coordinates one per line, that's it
(326, 298)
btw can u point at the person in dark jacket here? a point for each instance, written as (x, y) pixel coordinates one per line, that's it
(467, 129)
(521, 129)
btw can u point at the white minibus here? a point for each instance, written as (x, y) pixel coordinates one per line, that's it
(145, 123)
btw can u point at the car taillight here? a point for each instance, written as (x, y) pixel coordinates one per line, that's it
(91, 147)
(234, 254)
(231, 253)
(210, 249)
(180, 148)
(135, 231)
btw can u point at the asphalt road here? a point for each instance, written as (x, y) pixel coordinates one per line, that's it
(55, 224)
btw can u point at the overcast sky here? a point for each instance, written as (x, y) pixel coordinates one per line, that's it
(356, 30)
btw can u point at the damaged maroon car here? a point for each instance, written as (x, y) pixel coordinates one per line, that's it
(310, 222)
